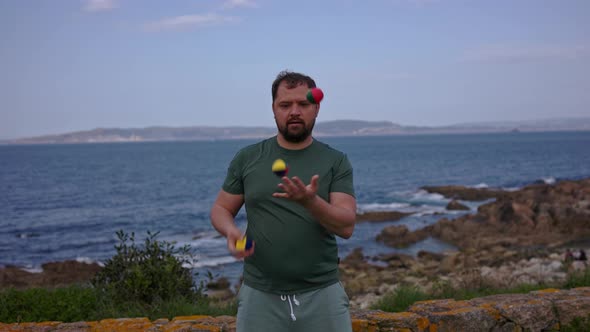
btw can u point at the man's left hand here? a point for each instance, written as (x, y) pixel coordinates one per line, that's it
(295, 190)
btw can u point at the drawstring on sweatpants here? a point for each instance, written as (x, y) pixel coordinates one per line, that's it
(288, 297)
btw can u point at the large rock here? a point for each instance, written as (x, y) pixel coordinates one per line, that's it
(54, 274)
(398, 236)
(528, 311)
(466, 193)
(499, 313)
(381, 216)
(455, 205)
(537, 215)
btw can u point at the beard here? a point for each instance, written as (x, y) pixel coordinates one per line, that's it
(296, 136)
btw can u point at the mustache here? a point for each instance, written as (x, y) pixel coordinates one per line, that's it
(295, 121)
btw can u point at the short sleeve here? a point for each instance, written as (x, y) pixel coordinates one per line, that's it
(342, 181)
(234, 183)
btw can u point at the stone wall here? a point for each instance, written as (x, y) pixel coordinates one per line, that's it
(543, 310)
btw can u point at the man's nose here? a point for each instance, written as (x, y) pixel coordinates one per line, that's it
(295, 110)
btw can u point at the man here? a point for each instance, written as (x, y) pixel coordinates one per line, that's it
(291, 271)
(582, 256)
(569, 256)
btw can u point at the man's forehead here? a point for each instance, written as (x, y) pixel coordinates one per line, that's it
(286, 88)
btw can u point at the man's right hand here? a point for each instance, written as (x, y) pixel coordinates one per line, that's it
(233, 237)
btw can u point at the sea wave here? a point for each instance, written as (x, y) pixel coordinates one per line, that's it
(422, 196)
(204, 261)
(426, 210)
(207, 239)
(511, 189)
(89, 260)
(514, 186)
(32, 269)
(370, 207)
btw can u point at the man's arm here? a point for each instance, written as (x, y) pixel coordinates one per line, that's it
(223, 212)
(338, 216)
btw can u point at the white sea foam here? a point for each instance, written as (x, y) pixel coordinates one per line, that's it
(88, 260)
(208, 239)
(549, 180)
(382, 207)
(33, 269)
(199, 262)
(416, 210)
(208, 242)
(481, 185)
(424, 196)
(417, 202)
(425, 210)
(512, 188)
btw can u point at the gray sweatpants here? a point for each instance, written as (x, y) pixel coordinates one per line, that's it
(322, 310)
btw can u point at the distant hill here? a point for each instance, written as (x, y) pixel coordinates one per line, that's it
(328, 128)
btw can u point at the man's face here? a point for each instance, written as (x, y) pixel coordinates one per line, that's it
(294, 114)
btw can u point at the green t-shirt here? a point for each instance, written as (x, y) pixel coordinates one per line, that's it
(294, 253)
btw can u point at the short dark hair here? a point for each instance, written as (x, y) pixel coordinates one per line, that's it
(292, 79)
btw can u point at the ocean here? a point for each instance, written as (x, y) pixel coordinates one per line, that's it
(61, 202)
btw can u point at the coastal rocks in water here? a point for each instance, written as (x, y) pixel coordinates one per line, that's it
(397, 261)
(465, 193)
(533, 216)
(381, 216)
(54, 274)
(398, 236)
(455, 205)
(519, 238)
(432, 256)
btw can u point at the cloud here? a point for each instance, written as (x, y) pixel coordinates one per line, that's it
(519, 54)
(230, 4)
(187, 21)
(100, 5)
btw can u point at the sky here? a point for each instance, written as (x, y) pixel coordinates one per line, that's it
(71, 65)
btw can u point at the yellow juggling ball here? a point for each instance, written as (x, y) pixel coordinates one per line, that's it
(280, 168)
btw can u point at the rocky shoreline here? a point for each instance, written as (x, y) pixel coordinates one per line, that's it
(518, 237)
(543, 310)
(53, 274)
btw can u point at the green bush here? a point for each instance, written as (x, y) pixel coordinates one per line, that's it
(578, 324)
(578, 279)
(77, 303)
(404, 296)
(400, 299)
(147, 274)
(445, 290)
(38, 304)
(147, 280)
